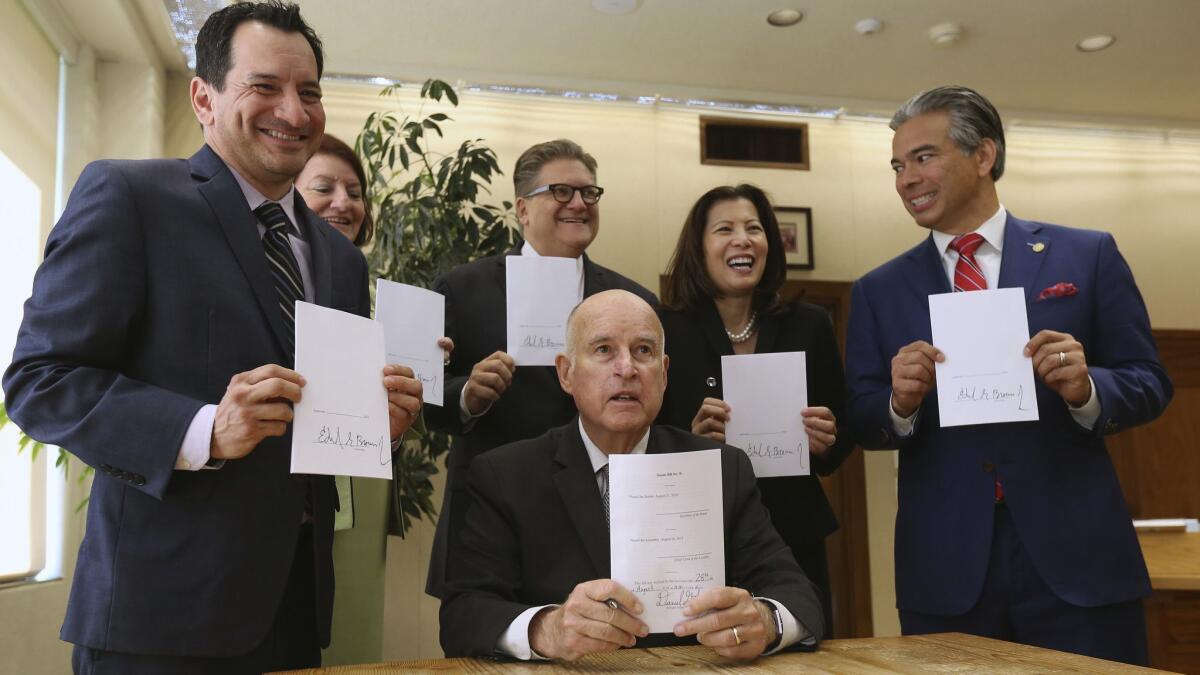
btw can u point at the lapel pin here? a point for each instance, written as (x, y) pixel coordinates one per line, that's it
(1039, 247)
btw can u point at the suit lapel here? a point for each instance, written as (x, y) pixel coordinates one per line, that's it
(1020, 262)
(931, 273)
(594, 279)
(220, 189)
(576, 484)
(316, 233)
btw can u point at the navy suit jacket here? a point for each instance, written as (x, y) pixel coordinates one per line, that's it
(1059, 482)
(534, 401)
(153, 293)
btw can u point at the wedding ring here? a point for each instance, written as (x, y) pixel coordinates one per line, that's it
(1062, 359)
(612, 606)
(737, 639)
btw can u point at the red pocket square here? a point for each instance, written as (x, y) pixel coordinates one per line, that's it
(1060, 290)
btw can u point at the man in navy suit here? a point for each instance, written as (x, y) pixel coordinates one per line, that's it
(157, 346)
(1016, 531)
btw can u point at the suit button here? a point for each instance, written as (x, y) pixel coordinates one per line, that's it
(139, 480)
(988, 467)
(1110, 426)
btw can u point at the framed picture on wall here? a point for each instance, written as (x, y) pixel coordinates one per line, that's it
(795, 225)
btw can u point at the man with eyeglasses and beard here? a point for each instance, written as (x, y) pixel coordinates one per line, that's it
(489, 401)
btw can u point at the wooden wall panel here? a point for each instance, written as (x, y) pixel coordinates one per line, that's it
(1159, 463)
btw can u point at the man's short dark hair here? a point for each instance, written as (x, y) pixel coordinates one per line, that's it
(972, 118)
(214, 44)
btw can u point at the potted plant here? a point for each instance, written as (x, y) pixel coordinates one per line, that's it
(430, 218)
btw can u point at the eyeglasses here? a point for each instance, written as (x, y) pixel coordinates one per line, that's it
(563, 193)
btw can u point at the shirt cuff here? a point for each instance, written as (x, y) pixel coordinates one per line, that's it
(1087, 414)
(903, 426)
(197, 442)
(464, 415)
(515, 640)
(793, 630)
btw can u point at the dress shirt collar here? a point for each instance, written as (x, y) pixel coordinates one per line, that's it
(599, 459)
(255, 199)
(992, 231)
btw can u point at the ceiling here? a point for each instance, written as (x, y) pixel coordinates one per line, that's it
(1020, 54)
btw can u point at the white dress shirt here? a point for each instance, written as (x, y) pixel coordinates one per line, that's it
(194, 452)
(988, 257)
(515, 639)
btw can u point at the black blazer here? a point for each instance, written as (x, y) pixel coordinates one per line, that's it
(476, 321)
(534, 529)
(153, 293)
(696, 340)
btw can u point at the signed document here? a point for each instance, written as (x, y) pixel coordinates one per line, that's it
(766, 393)
(985, 377)
(667, 536)
(341, 425)
(413, 319)
(540, 293)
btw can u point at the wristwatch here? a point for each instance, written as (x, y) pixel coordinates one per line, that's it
(778, 621)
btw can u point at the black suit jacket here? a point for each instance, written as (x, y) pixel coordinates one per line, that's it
(476, 320)
(153, 293)
(535, 528)
(696, 340)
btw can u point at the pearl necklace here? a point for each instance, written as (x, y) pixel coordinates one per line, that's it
(745, 333)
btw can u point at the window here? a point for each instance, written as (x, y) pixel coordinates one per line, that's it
(23, 497)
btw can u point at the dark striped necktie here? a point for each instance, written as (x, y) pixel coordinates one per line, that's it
(289, 286)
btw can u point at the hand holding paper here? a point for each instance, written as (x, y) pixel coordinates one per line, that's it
(540, 294)
(667, 538)
(766, 393)
(341, 425)
(984, 378)
(413, 319)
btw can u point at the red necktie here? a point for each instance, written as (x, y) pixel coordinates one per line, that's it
(968, 277)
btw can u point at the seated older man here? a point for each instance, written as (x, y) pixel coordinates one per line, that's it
(528, 571)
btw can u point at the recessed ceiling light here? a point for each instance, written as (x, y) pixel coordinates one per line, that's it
(615, 6)
(945, 34)
(869, 26)
(785, 17)
(1095, 43)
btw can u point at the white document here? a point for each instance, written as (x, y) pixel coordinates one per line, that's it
(541, 292)
(766, 393)
(413, 319)
(667, 534)
(341, 425)
(985, 377)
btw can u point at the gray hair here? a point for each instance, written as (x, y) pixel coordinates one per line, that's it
(530, 163)
(973, 118)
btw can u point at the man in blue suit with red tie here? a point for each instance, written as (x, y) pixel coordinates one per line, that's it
(1016, 531)
(158, 347)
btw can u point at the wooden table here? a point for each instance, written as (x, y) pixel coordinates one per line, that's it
(1173, 559)
(941, 653)
(1173, 612)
